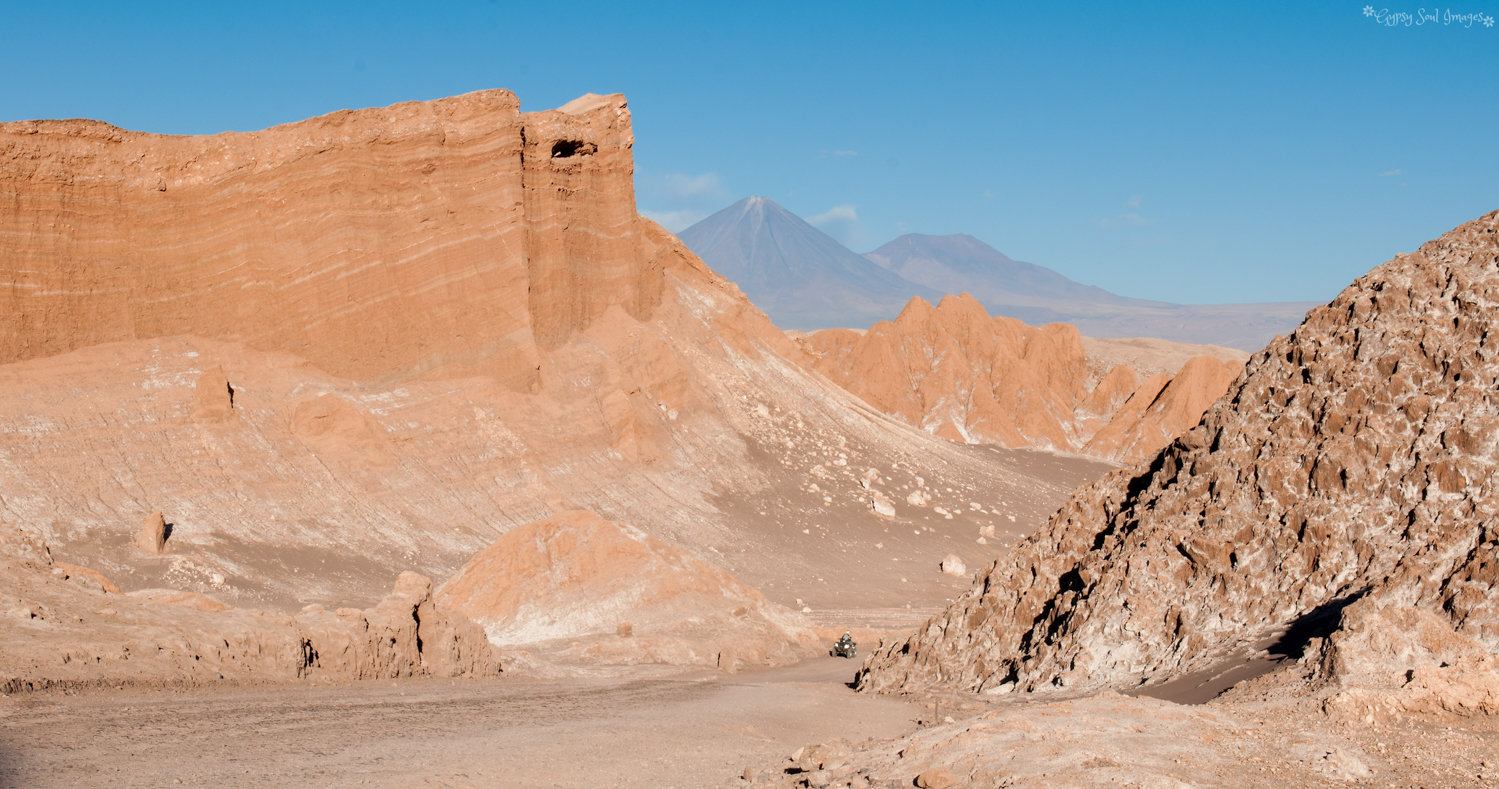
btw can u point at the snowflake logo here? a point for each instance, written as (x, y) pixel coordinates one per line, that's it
(1368, 10)
(1488, 21)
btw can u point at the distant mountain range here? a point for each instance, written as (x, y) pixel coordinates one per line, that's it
(798, 275)
(804, 279)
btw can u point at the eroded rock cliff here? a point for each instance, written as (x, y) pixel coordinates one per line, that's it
(70, 626)
(958, 373)
(446, 235)
(1353, 459)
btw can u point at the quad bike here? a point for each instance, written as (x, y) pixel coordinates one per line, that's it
(845, 647)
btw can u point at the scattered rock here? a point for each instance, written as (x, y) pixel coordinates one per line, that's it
(1338, 764)
(76, 573)
(953, 565)
(936, 778)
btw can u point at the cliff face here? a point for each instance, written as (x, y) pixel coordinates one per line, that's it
(376, 244)
(958, 373)
(1353, 459)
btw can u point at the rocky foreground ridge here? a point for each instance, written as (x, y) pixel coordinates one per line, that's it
(1352, 463)
(68, 626)
(958, 373)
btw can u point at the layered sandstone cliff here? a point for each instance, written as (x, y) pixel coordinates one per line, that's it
(1353, 460)
(423, 237)
(958, 373)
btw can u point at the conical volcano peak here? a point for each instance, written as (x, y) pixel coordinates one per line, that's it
(800, 276)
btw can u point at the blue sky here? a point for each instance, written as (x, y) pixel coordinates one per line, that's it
(1192, 152)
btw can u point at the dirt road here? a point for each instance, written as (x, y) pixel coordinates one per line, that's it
(697, 730)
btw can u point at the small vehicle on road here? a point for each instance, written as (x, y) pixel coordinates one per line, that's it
(845, 647)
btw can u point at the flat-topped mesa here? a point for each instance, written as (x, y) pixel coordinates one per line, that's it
(459, 233)
(1354, 459)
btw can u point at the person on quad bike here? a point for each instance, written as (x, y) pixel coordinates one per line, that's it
(845, 646)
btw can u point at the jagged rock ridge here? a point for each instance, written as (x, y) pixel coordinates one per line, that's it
(1354, 458)
(958, 373)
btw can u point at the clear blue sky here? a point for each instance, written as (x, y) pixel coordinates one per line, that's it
(1192, 152)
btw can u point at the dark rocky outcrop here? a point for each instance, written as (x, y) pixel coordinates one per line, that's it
(1353, 459)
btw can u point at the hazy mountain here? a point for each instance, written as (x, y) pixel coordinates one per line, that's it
(804, 279)
(1037, 295)
(798, 275)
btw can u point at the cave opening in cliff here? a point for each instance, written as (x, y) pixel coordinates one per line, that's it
(563, 149)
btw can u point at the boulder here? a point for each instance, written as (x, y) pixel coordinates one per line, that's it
(152, 535)
(936, 778)
(213, 397)
(1397, 659)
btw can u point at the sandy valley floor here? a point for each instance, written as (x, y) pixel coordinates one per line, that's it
(692, 730)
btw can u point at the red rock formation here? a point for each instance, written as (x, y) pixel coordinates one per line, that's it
(452, 234)
(213, 399)
(1354, 459)
(958, 373)
(1156, 412)
(440, 320)
(72, 572)
(1392, 660)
